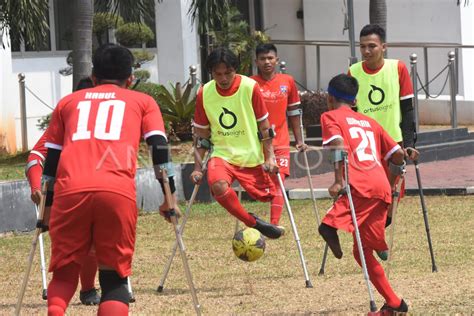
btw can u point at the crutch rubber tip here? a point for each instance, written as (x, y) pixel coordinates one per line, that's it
(434, 269)
(308, 284)
(160, 289)
(373, 308)
(321, 272)
(132, 298)
(45, 294)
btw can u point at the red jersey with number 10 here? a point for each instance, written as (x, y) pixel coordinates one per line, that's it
(98, 131)
(367, 145)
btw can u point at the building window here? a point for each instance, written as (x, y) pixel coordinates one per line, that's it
(63, 17)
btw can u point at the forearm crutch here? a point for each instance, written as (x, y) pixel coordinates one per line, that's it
(308, 175)
(425, 216)
(130, 291)
(181, 227)
(239, 195)
(43, 261)
(395, 202)
(373, 307)
(34, 242)
(179, 240)
(295, 232)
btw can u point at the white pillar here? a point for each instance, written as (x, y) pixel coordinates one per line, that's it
(177, 41)
(8, 86)
(467, 38)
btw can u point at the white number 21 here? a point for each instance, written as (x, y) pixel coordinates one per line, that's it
(367, 140)
(100, 127)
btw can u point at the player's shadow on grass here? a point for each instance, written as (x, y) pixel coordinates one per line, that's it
(176, 291)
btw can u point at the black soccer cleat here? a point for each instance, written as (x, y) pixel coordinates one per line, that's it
(330, 236)
(90, 297)
(267, 229)
(400, 310)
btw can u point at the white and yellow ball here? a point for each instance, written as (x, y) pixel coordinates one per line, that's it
(248, 244)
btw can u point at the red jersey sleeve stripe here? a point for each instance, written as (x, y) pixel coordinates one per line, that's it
(37, 153)
(293, 104)
(262, 118)
(53, 146)
(325, 142)
(201, 126)
(156, 132)
(391, 151)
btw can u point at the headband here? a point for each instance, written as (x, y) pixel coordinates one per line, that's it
(340, 95)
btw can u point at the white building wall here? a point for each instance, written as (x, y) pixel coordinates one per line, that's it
(7, 101)
(467, 37)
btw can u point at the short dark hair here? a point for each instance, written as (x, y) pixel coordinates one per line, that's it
(376, 29)
(222, 55)
(85, 83)
(112, 62)
(265, 48)
(344, 88)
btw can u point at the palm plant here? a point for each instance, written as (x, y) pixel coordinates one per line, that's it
(177, 106)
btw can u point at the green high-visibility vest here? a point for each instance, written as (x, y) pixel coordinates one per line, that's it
(379, 96)
(233, 124)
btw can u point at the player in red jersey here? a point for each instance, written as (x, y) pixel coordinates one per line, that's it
(231, 114)
(282, 100)
(92, 146)
(34, 168)
(367, 145)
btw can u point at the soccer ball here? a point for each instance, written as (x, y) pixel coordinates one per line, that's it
(248, 244)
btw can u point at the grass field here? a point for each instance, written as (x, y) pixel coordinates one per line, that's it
(275, 283)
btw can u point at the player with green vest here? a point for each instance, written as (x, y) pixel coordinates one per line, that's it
(231, 115)
(385, 90)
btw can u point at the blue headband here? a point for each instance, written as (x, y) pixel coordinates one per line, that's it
(340, 95)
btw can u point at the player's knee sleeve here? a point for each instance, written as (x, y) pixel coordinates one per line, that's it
(113, 287)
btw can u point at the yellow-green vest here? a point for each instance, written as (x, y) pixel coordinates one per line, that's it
(233, 124)
(379, 96)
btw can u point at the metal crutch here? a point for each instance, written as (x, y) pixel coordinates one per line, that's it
(130, 291)
(425, 216)
(308, 175)
(181, 227)
(179, 240)
(395, 202)
(295, 232)
(43, 261)
(373, 307)
(38, 230)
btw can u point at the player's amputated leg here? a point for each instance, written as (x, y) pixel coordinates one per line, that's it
(62, 288)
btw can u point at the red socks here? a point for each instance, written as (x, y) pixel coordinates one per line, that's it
(277, 201)
(230, 202)
(377, 277)
(116, 308)
(88, 272)
(62, 287)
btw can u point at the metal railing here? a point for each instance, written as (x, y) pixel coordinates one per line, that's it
(423, 45)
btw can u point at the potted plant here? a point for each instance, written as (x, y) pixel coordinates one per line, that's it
(313, 105)
(177, 106)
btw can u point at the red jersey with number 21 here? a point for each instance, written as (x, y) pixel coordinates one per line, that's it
(98, 131)
(367, 145)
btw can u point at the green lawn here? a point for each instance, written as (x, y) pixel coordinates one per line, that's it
(275, 284)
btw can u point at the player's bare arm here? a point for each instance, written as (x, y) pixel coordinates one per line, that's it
(270, 163)
(295, 126)
(336, 146)
(201, 145)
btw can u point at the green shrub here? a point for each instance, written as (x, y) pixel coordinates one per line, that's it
(133, 34)
(142, 75)
(313, 105)
(104, 21)
(141, 57)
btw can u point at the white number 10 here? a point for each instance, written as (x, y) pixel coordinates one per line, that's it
(100, 132)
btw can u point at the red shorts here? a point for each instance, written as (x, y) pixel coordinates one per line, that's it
(371, 215)
(103, 220)
(283, 161)
(255, 181)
